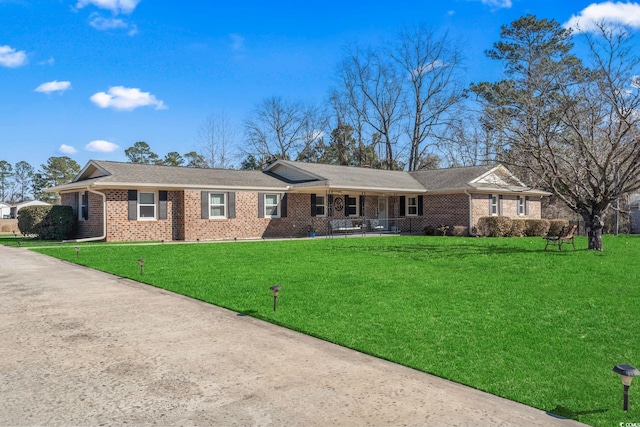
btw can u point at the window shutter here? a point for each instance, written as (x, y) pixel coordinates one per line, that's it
(204, 204)
(330, 205)
(490, 204)
(231, 204)
(85, 212)
(500, 204)
(313, 205)
(163, 198)
(420, 203)
(403, 205)
(362, 199)
(132, 197)
(346, 205)
(260, 205)
(283, 205)
(76, 203)
(526, 205)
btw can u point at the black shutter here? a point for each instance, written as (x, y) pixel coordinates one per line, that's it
(132, 197)
(403, 205)
(260, 205)
(163, 197)
(500, 205)
(420, 207)
(283, 205)
(85, 211)
(346, 205)
(204, 204)
(490, 203)
(330, 205)
(526, 205)
(313, 205)
(76, 204)
(231, 201)
(362, 205)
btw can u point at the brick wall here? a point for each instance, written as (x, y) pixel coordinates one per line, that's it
(91, 227)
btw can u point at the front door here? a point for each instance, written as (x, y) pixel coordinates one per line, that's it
(383, 209)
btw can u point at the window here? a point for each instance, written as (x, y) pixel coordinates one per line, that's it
(493, 204)
(146, 205)
(217, 205)
(521, 206)
(351, 208)
(412, 206)
(83, 212)
(320, 206)
(271, 203)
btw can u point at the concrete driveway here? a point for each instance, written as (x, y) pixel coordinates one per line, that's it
(80, 347)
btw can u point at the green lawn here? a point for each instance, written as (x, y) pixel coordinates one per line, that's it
(500, 315)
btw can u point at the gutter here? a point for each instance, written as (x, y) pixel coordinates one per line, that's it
(104, 221)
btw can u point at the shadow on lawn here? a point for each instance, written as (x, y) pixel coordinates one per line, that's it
(562, 412)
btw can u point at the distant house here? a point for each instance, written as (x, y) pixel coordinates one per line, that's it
(15, 209)
(634, 212)
(5, 211)
(124, 201)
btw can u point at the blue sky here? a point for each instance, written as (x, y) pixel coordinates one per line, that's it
(89, 78)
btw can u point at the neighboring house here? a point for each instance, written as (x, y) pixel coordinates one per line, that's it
(15, 209)
(634, 213)
(126, 201)
(5, 211)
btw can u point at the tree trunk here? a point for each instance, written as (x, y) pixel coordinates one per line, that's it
(594, 231)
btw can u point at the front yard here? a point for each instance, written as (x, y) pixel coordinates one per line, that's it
(500, 315)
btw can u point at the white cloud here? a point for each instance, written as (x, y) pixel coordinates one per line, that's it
(101, 146)
(9, 57)
(67, 149)
(126, 99)
(54, 86)
(627, 14)
(49, 61)
(115, 6)
(100, 23)
(498, 3)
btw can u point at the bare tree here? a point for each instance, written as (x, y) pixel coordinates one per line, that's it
(575, 128)
(22, 178)
(430, 65)
(216, 140)
(278, 128)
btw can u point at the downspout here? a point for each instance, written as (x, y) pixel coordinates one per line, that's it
(104, 221)
(471, 233)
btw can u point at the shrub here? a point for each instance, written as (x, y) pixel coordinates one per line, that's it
(494, 226)
(518, 227)
(460, 230)
(443, 230)
(536, 227)
(47, 222)
(429, 230)
(555, 226)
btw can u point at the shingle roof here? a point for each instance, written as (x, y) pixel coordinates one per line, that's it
(451, 178)
(346, 177)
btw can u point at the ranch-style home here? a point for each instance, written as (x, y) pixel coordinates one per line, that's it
(126, 201)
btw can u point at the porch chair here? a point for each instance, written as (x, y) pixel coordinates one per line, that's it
(566, 236)
(374, 225)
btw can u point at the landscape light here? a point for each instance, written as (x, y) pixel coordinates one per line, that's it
(626, 372)
(141, 263)
(275, 290)
(77, 251)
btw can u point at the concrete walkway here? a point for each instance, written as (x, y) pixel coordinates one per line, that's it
(80, 347)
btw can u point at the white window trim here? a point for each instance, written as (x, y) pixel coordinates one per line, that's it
(495, 200)
(225, 205)
(277, 205)
(407, 206)
(323, 204)
(155, 206)
(522, 208)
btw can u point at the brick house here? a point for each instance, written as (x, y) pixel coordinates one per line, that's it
(125, 201)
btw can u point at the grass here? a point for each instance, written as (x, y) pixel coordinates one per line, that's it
(500, 315)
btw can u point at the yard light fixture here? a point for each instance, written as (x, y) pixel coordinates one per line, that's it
(141, 263)
(275, 290)
(626, 372)
(19, 242)
(77, 248)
